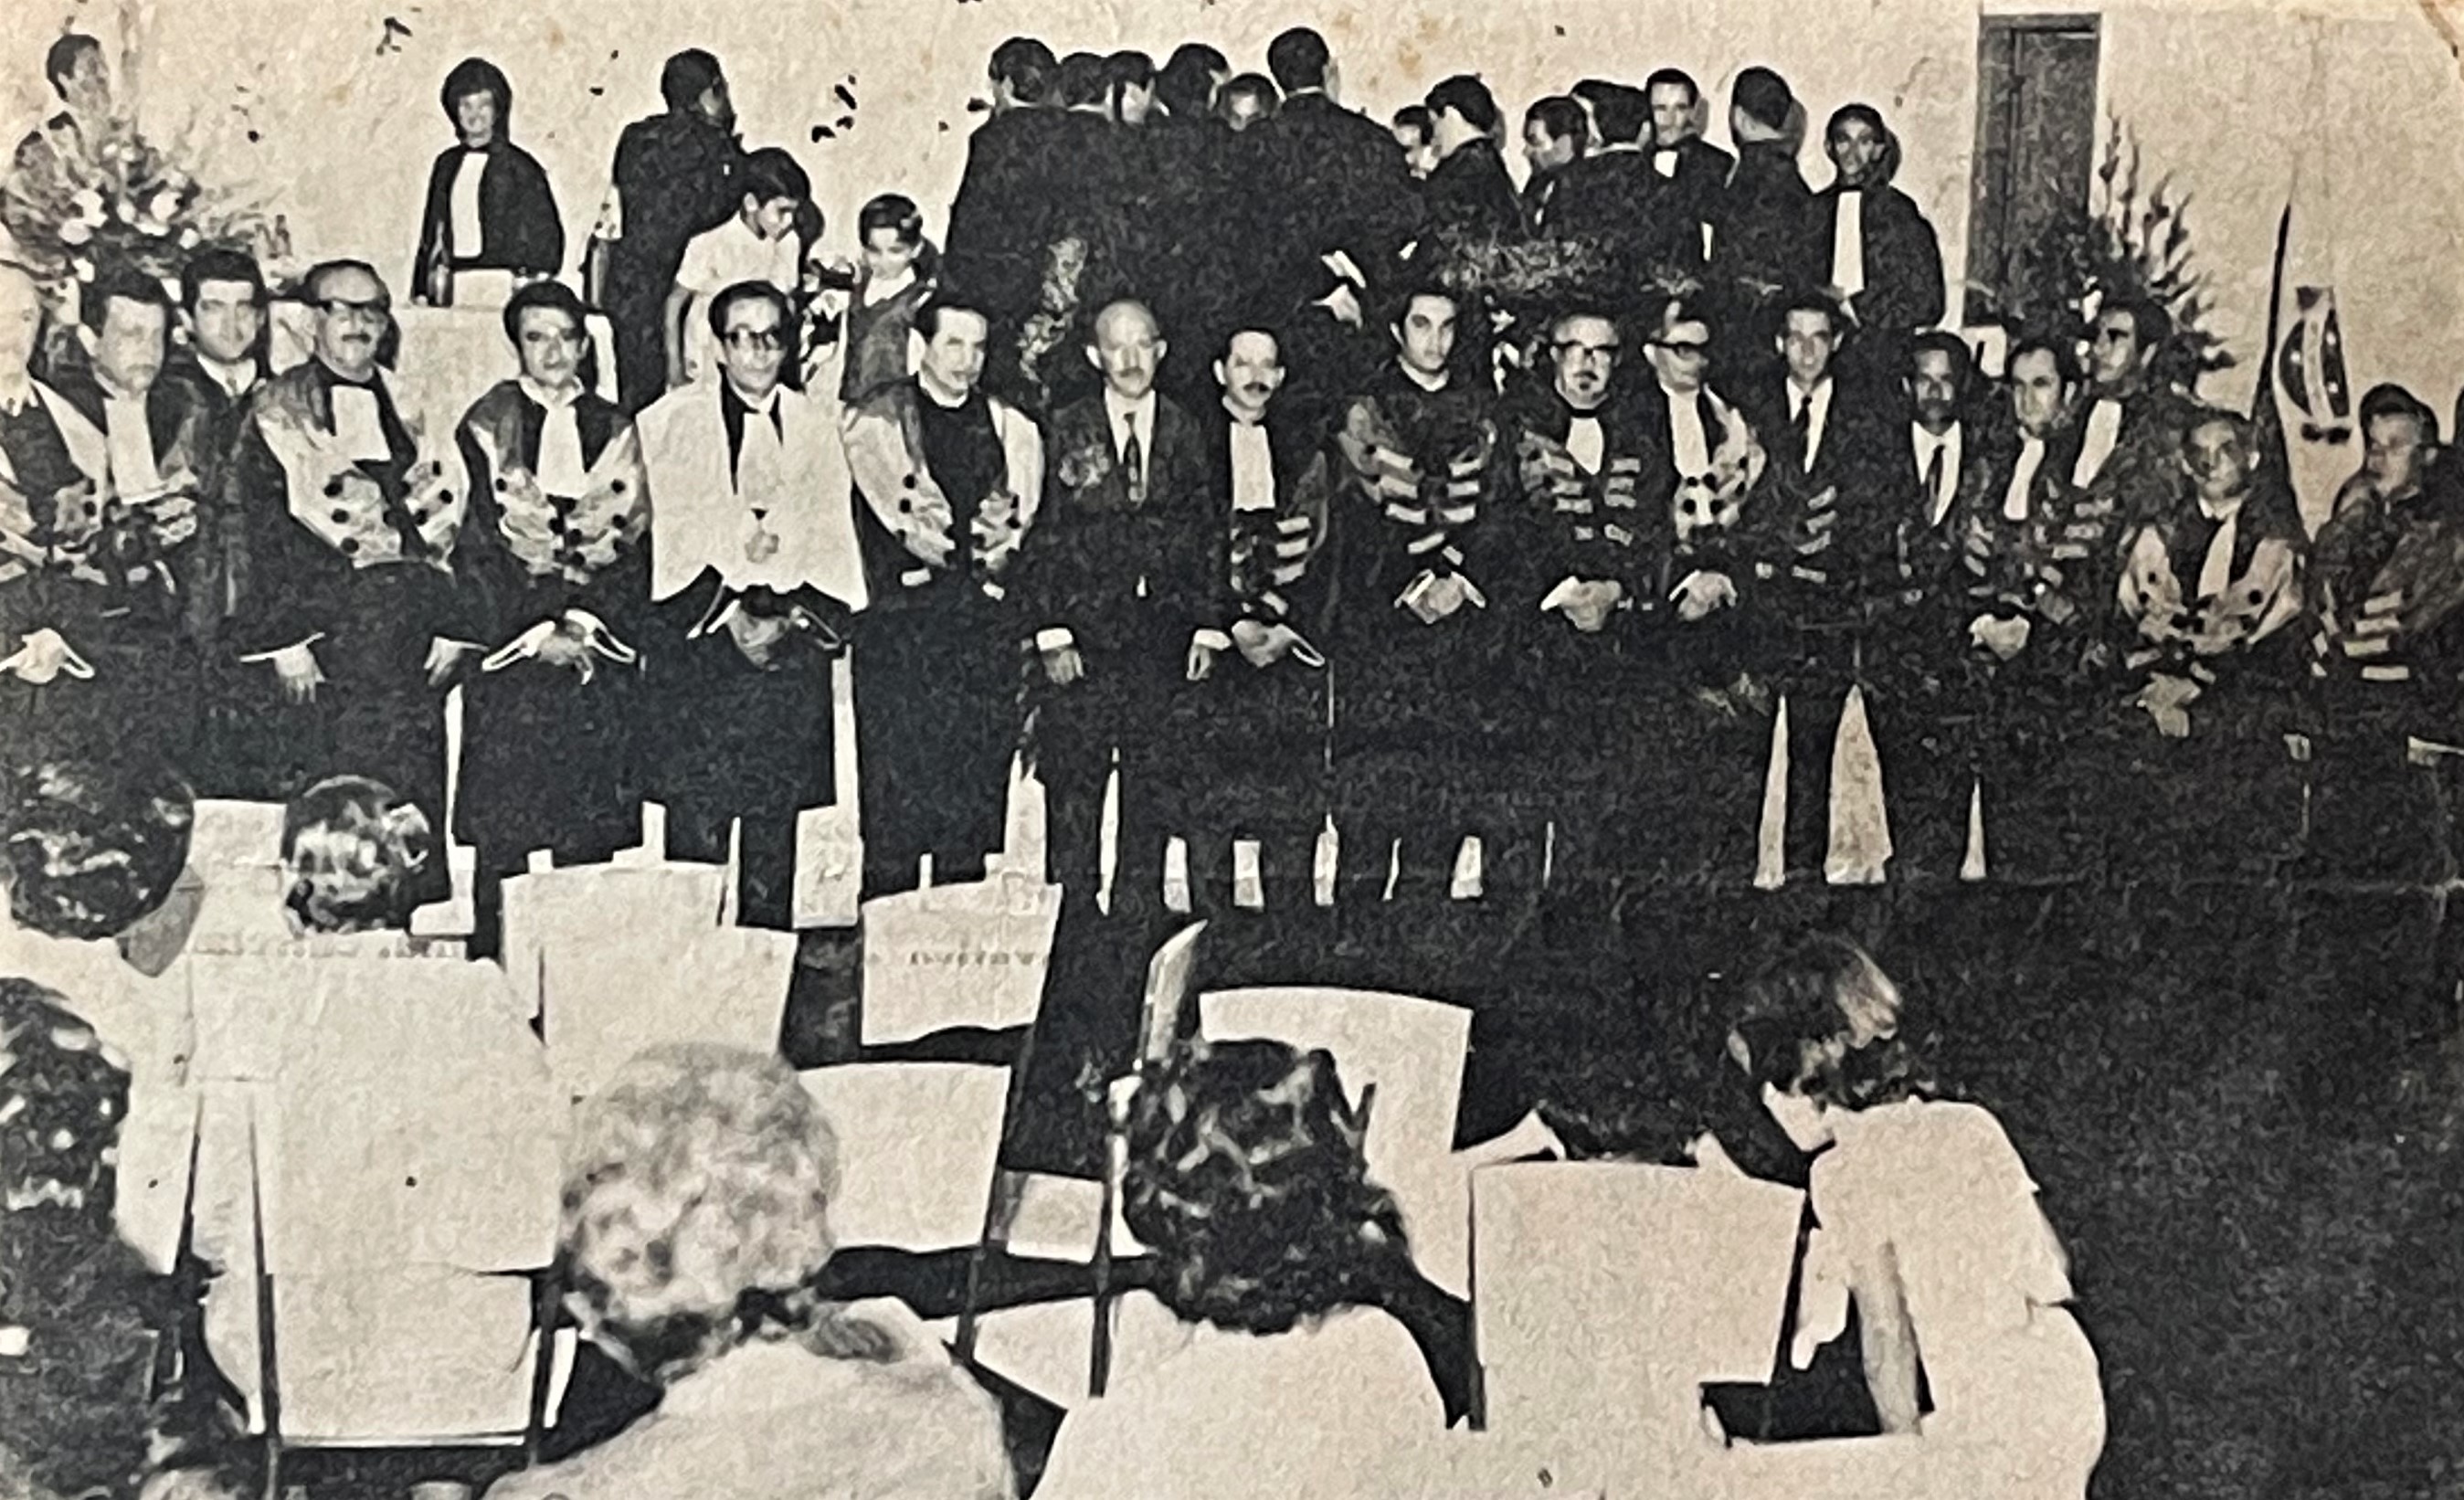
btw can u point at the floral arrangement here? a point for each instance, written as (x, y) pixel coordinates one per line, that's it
(79, 198)
(2132, 238)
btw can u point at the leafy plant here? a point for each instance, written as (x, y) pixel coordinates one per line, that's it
(104, 195)
(2131, 238)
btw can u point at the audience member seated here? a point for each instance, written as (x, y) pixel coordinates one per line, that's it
(696, 1212)
(1930, 1226)
(1246, 1178)
(350, 852)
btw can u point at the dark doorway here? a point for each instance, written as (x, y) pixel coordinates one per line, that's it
(2035, 139)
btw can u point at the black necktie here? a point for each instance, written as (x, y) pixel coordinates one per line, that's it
(1134, 464)
(1933, 479)
(1802, 426)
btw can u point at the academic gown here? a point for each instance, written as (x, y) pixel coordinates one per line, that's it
(1616, 202)
(353, 557)
(1324, 179)
(1126, 579)
(1904, 290)
(228, 732)
(547, 755)
(520, 228)
(740, 740)
(1252, 740)
(1761, 245)
(937, 658)
(151, 572)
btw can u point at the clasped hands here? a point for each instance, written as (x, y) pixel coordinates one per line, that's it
(43, 657)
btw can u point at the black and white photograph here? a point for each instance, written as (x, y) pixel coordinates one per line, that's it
(1232, 750)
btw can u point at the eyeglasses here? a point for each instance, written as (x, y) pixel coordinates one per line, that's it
(344, 307)
(764, 339)
(1686, 348)
(1590, 351)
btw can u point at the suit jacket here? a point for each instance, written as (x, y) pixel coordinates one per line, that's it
(1904, 284)
(1130, 583)
(698, 524)
(1471, 198)
(1763, 229)
(1616, 202)
(519, 228)
(1818, 570)
(675, 178)
(998, 219)
(1328, 178)
(1701, 183)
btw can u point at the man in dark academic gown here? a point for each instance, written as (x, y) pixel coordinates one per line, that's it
(675, 178)
(2130, 426)
(1252, 734)
(946, 477)
(1580, 456)
(556, 539)
(1114, 590)
(1823, 519)
(94, 580)
(1329, 181)
(754, 577)
(995, 245)
(1615, 202)
(1872, 248)
(1696, 171)
(1429, 697)
(1759, 236)
(1471, 198)
(356, 619)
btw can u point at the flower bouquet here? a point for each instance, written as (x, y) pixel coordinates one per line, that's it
(79, 197)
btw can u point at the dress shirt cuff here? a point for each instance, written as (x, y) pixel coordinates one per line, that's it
(1212, 639)
(585, 621)
(296, 646)
(1056, 638)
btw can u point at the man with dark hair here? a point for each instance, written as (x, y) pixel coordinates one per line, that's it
(1002, 220)
(155, 542)
(1580, 454)
(1612, 202)
(1197, 216)
(945, 478)
(1023, 72)
(1331, 184)
(1113, 586)
(2386, 600)
(1555, 133)
(1246, 101)
(675, 178)
(1873, 251)
(1759, 238)
(77, 73)
(1132, 76)
(1427, 701)
(356, 617)
(1696, 171)
(1185, 88)
(2131, 433)
(754, 574)
(1470, 197)
(1823, 518)
(1250, 737)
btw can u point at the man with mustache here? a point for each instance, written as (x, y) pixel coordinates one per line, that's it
(1579, 458)
(1253, 730)
(357, 619)
(1112, 584)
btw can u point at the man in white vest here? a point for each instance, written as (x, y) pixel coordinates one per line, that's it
(754, 573)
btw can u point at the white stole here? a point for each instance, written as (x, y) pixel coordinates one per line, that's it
(1848, 242)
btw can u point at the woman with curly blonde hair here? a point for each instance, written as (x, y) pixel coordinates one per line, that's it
(696, 1218)
(1277, 1255)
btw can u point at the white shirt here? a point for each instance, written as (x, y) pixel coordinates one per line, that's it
(761, 460)
(2215, 570)
(235, 379)
(1588, 443)
(1253, 467)
(1664, 162)
(1689, 445)
(462, 218)
(1816, 421)
(1848, 243)
(2097, 444)
(1949, 445)
(2023, 477)
(875, 292)
(1132, 419)
(561, 468)
(717, 260)
(128, 442)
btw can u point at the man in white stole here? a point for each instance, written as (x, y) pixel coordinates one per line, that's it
(754, 574)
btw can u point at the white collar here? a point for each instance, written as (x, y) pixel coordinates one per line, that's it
(1432, 385)
(234, 376)
(876, 293)
(553, 400)
(1929, 441)
(16, 391)
(761, 409)
(1141, 411)
(1799, 396)
(2239, 505)
(111, 392)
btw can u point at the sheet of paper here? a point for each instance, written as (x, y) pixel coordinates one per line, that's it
(970, 955)
(1608, 1292)
(1412, 1051)
(404, 1357)
(1055, 1220)
(917, 1147)
(1170, 975)
(560, 910)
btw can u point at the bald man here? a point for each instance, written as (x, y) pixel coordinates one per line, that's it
(1114, 583)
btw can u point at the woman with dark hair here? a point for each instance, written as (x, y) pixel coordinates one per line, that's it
(1246, 1180)
(1929, 1226)
(556, 535)
(697, 1193)
(489, 204)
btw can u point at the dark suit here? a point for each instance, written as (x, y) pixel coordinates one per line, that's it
(519, 228)
(1759, 250)
(1700, 183)
(1471, 198)
(1614, 203)
(1126, 575)
(1327, 178)
(1824, 523)
(675, 178)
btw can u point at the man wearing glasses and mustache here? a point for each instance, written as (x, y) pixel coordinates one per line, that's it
(356, 616)
(754, 572)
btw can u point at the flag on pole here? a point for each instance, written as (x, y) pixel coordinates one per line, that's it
(2302, 410)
